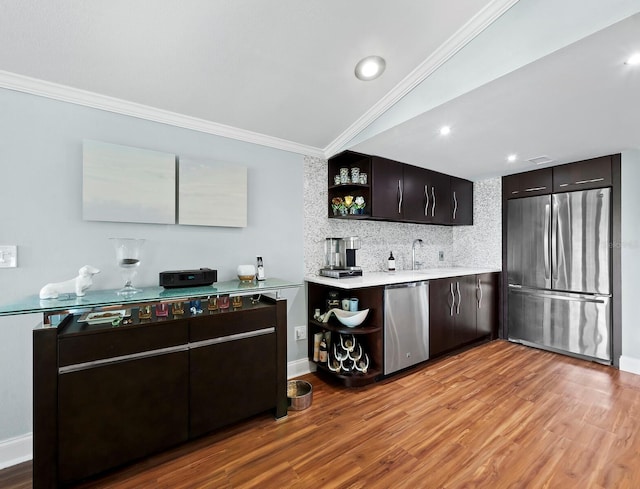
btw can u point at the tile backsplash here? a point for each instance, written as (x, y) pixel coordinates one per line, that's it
(378, 238)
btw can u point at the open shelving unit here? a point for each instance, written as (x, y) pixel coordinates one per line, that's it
(369, 334)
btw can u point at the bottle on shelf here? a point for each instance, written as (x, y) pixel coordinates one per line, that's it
(323, 351)
(392, 262)
(317, 339)
(260, 269)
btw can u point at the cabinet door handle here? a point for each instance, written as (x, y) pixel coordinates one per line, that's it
(453, 299)
(534, 189)
(433, 200)
(426, 205)
(400, 197)
(582, 182)
(459, 297)
(480, 294)
(455, 205)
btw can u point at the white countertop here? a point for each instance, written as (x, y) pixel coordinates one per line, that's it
(372, 279)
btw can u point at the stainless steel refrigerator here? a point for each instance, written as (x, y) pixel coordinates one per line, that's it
(559, 272)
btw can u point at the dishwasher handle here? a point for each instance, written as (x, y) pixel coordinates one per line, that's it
(407, 285)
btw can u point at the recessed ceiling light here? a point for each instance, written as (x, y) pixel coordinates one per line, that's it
(633, 60)
(512, 157)
(445, 130)
(370, 68)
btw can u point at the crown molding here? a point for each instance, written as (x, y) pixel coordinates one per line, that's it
(451, 46)
(41, 88)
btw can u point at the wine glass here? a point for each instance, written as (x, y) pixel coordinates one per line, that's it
(128, 257)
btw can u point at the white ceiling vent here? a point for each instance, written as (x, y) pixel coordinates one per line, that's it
(540, 160)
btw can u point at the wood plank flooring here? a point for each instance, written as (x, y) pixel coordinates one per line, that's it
(497, 416)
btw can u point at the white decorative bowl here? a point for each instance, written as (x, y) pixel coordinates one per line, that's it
(246, 273)
(351, 319)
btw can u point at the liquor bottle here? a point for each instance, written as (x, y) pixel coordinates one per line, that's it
(323, 353)
(260, 269)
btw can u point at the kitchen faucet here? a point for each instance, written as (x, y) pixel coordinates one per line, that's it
(413, 254)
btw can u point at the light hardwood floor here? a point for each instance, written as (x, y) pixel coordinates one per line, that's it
(497, 416)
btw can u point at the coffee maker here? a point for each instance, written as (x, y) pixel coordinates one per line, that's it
(340, 257)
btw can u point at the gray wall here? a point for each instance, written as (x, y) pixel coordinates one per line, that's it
(41, 212)
(630, 251)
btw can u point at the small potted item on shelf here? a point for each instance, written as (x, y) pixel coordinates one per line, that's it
(348, 203)
(337, 204)
(359, 205)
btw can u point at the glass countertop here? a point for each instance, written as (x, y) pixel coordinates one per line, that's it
(97, 298)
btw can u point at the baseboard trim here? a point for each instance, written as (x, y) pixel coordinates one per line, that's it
(300, 367)
(630, 364)
(16, 450)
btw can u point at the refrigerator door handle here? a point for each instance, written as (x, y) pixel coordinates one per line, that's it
(547, 223)
(554, 242)
(573, 297)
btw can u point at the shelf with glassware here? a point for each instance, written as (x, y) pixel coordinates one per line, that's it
(348, 186)
(350, 354)
(349, 201)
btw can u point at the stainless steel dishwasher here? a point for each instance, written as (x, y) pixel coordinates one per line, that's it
(406, 325)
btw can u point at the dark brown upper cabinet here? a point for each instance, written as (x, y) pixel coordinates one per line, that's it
(583, 175)
(461, 201)
(404, 193)
(387, 189)
(536, 182)
(426, 195)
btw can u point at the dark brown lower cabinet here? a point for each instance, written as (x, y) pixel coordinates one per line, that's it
(461, 310)
(105, 396)
(231, 380)
(487, 304)
(121, 411)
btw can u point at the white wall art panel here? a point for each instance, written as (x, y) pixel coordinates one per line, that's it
(211, 194)
(125, 184)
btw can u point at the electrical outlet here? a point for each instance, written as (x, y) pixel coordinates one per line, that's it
(441, 255)
(301, 333)
(8, 256)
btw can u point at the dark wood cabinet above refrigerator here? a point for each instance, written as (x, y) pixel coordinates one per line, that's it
(581, 175)
(400, 192)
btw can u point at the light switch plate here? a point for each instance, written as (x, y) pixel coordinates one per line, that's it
(8, 256)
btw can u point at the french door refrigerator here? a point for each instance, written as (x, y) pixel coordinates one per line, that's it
(559, 272)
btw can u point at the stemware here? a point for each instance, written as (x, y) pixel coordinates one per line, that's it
(128, 252)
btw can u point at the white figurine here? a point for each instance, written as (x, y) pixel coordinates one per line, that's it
(78, 285)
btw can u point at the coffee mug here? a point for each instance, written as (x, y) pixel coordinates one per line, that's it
(346, 304)
(353, 304)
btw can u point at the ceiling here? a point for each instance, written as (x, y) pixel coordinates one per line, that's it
(280, 73)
